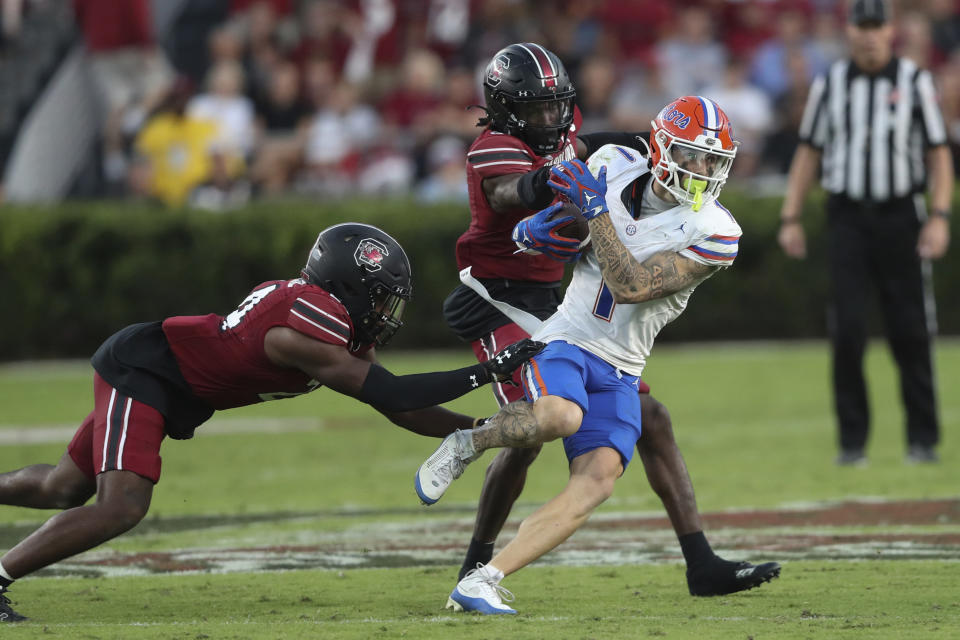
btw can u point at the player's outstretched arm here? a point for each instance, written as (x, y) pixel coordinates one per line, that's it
(434, 422)
(334, 366)
(529, 190)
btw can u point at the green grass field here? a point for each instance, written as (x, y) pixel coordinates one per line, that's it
(298, 518)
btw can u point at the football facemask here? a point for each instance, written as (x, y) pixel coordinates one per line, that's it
(698, 174)
(545, 113)
(385, 318)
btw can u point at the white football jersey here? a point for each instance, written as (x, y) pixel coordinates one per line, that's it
(623, 334)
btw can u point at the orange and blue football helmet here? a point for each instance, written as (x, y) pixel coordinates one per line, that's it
(692, 149)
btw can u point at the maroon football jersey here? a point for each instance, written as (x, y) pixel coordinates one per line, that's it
(486, 246)
(222, 357)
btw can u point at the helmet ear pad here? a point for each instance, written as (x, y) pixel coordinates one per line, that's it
(658, 145)
(349, 290)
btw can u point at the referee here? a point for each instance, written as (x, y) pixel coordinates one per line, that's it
(874, 122)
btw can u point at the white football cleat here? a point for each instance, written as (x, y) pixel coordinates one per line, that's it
(479, 592)
(445, 465)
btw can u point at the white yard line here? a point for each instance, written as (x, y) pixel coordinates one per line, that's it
(13, 434)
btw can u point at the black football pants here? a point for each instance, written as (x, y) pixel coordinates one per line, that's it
(873, 248)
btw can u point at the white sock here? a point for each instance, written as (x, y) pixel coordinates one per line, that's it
(4, 574)
(492, 572)
(466, 441)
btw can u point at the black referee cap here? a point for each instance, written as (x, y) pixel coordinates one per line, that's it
(869, 12)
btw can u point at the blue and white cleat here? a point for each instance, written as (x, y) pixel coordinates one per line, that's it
(446, 464)
(481, 593)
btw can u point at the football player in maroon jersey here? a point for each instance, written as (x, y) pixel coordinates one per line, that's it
(532, 124)
(288, 337)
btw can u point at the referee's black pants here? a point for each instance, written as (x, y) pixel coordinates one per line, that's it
(874, 247)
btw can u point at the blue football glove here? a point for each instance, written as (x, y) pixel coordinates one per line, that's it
(538, 233)
(574, 180)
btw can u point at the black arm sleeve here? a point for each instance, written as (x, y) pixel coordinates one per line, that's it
(533, 190)
(594, 141)
(388, 392)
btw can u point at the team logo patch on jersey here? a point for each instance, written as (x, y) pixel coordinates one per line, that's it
(631, 229)
(371, 253)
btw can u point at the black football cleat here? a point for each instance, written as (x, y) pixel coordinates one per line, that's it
(6, 613)
(722, 577)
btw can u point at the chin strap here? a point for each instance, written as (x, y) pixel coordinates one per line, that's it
(646, 145)
(485, 120)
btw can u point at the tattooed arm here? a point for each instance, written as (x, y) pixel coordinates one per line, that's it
(631, 281)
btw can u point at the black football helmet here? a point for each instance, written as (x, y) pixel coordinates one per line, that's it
(529, 95)
(368, 271)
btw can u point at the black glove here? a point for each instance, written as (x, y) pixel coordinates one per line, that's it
(501, 366)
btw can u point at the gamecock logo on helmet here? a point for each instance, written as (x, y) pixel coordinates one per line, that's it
(496, 70)
(371, 253)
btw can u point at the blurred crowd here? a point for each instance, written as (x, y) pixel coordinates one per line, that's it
(258, 98)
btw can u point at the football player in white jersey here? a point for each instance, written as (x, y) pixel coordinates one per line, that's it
(657, 231)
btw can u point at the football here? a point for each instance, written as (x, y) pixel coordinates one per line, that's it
(576, 229)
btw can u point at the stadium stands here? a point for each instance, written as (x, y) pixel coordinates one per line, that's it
(384, 87)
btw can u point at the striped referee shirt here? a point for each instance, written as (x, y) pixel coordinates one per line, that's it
(874, 129)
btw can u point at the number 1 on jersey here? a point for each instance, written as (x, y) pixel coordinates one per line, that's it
(604, 304)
